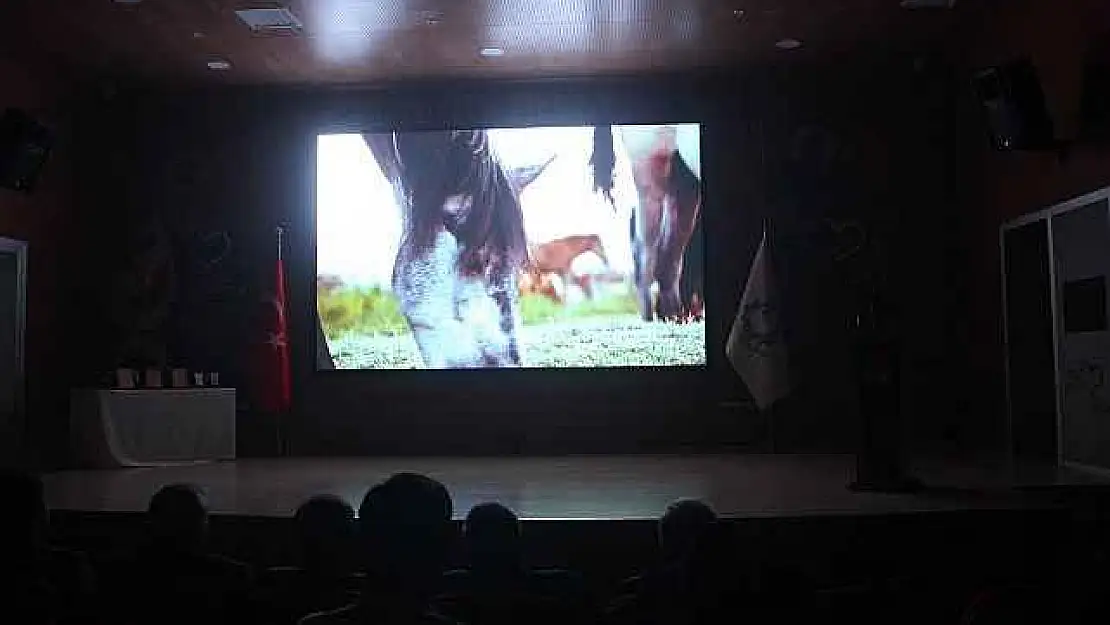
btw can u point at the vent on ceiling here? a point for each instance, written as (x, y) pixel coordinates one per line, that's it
(928, 4)
(280, 20)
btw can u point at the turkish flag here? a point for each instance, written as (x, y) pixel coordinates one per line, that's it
(273, 391)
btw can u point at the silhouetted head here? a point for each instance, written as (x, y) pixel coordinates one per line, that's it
(682, 525)
(325, 532)
(25, 520)
(405, 524)
(178, 518)
(1008, 606)
(492, 535)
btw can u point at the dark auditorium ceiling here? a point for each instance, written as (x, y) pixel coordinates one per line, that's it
(348, 41)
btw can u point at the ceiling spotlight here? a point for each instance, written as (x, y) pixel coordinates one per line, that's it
(198, 35)
(491, 52)
(928, 4)
(431, 18)
(219, 65)
(788, 44)
(738, 14)
(280, 20)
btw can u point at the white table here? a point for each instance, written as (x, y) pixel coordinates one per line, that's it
(152, 427)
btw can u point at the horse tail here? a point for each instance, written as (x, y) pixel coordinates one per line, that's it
(603, 162)
(683, 181)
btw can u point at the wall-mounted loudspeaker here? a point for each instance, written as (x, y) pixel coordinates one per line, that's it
(24, 146)
(1014, 105)
(1094, 123)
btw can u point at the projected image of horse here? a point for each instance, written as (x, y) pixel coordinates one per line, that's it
(555, 259)
(462, 245)
(666, 168)
(507, 247)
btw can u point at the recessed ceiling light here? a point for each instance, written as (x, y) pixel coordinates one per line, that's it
(278, 19)
(431, 18)
(219, 65)
(738, 14)
(788, 44)
(928, 4)
(198, 35)
(491, 51)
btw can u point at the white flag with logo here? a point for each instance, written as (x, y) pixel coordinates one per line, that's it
(755, 345)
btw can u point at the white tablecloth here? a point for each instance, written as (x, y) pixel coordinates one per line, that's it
(152, 427)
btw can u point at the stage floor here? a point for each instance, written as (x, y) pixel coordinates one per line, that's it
(575, 487)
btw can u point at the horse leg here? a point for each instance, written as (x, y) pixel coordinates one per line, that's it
(681, 216)
(668, 273)
(647, 229)
(504, 350)
(680, 207)
(424, 281)
(586, 283)
(570, 283)
(490, 313)
(644, 260)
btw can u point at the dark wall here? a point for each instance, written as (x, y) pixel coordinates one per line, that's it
(799, 144)
(43, 220)
(1056, 37)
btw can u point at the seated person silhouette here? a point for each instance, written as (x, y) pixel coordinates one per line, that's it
(685, 585)
(42, 584)
(1017, 605)
(497, 587)
(172, 578)
(405, 531)
(325, 577)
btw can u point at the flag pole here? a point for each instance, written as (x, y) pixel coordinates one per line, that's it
(755, 347)
(283, 451)
(769, 411)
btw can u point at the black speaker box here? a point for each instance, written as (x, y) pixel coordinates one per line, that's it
(1014, 105)
(24, 146)
(1094, 123)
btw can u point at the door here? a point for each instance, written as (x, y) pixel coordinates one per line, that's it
(1081, 249)
(12, 285)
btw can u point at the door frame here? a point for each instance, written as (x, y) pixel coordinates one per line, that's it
(1045, 214)
(19, 249)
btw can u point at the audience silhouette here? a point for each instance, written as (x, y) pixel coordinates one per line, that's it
(402, 539)
(172, 578)
(325, 577)
(405, 529)
(685, 584)
(497, 587)
(42, 584)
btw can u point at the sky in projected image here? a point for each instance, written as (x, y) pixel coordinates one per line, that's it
(359, 222)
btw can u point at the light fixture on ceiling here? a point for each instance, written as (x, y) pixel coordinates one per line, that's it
(491, 52)
(272, 20)
(219, 65)
(431, 18)
(788, 44)
(738, 14)
(928, 4)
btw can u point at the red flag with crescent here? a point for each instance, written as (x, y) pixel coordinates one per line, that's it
(274, 380)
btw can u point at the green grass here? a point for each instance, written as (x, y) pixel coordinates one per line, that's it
(375, 311)
(537, 309)
(370, 311)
